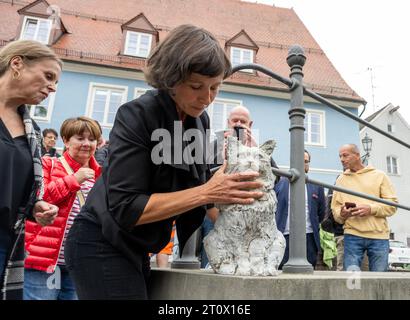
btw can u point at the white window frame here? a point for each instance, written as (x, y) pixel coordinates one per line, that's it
(389, 160)
(241, 50)
(93, 86)
(391, 126)
(138, 92)
(322, 115)
(49, 107)
(139, 34)
(209, 110)
(50, 25)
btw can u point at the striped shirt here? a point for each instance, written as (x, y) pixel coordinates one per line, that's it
(75, 210)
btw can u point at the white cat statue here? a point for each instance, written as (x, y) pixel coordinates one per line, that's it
(245, 240)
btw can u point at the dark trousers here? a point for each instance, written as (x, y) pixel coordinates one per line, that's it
(99, 270)
(5, 248)
(3, 261)
(311, 250)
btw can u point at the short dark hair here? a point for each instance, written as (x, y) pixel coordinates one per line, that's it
(187, 49)
(49, 130)
(307, 153)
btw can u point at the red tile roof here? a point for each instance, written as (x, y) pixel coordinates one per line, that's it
(95, 36)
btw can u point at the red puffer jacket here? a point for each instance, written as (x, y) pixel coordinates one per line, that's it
(43, 244)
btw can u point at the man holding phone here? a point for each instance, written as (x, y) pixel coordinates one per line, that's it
(365, 221)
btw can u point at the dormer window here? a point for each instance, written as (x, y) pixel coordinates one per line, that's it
(138, 44)
(240, 56)
(139, 37)
(41, 22)
(242, 49)
(36, 29)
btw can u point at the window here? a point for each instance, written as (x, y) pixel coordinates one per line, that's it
(43, 110)
(36, 29)
(218, 112)
(392, 165)
(239, 56)
(139, 92)
(104, 101)
(390, 128)
(315, 128)
(138, 44)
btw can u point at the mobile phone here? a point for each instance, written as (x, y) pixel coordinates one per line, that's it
(350, 205)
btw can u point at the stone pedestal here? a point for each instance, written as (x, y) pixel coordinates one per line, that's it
(167, 284)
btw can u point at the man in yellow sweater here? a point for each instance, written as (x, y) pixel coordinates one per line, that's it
(365, 224)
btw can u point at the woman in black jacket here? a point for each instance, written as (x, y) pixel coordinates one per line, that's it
(29, 72)
(156, 171)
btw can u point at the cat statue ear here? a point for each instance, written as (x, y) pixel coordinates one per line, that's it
(268, 147)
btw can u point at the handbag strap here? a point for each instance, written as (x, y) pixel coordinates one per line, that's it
(69, 170)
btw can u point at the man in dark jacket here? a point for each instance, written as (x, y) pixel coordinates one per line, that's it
(315, 211)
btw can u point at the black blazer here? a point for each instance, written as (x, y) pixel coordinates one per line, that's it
(130, 176)
(316, 205)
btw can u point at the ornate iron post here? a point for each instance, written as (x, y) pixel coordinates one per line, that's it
(297, 262)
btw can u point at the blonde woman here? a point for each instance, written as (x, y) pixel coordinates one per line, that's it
(29, 72)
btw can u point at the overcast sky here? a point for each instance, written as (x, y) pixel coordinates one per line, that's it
(367, 41)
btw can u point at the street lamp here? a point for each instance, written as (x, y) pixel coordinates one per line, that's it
(367, 147)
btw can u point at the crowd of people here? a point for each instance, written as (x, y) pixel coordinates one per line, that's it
(62, 215)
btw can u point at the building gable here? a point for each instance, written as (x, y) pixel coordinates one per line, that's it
(242, 40)
(140, 23)
(384, 113)
(39, 8)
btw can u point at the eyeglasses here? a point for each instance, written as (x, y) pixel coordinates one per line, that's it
(307, 161)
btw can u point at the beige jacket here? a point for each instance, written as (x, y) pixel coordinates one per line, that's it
(372, 182)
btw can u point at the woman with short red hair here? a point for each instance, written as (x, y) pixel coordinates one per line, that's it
(68, 181)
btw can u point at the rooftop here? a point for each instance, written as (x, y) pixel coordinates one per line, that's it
(94, 35)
